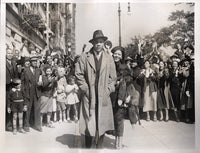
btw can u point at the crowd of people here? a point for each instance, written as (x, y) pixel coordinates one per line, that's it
(110, 87)
(40, 89)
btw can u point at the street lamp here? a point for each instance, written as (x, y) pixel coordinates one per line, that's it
(119, 14)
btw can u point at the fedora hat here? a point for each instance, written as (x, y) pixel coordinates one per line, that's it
(97, 35)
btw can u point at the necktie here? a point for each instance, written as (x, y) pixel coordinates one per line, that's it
(33, 71)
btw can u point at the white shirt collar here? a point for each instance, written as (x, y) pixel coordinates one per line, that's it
(98, 55)
(14, 89)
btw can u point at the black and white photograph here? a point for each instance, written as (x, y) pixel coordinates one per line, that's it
(97, 76)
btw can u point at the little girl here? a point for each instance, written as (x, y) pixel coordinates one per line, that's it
(17, 105)
(60, 94)
(72, 98)
(48, 85)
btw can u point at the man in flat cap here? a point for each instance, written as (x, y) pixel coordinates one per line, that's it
(31, 84)
(96, 76)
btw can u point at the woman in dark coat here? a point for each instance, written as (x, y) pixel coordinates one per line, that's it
(117, 97)
(175, 87)
(161, 83)
(187, 91)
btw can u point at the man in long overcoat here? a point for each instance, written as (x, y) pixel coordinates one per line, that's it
(11, 73)
(32, 92)
(96, 77)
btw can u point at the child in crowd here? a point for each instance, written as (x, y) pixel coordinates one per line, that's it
(72, 97)
(48, 85)
(60, 94)
(16, 105)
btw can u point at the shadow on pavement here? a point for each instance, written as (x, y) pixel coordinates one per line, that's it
(71, 140)
(77, 141)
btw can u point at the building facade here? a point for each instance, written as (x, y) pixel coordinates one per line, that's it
(36, 23)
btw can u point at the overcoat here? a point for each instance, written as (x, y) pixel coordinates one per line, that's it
(29, 82)
(11, 71)
(85, 72)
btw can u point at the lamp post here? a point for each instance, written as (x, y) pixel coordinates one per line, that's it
(119, 14)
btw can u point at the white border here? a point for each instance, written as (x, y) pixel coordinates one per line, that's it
(197, 59)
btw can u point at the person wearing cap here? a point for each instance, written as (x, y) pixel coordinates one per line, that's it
(11, 73)
(96, 76)
(27, 62)
(32, 91)
(16, 105)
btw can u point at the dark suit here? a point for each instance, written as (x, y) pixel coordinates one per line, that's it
(11, 73)
(32, 94)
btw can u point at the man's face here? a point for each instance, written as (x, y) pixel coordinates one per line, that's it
(98, 45)
(27, 64)
(9, 54)
(34, 63)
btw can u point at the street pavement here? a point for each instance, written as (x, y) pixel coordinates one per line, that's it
(65, 137)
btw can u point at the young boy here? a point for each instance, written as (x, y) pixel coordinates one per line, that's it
(17, 105)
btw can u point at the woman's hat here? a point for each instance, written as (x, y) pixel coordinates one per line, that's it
(97, 35)
(128, 59)
(118, 48)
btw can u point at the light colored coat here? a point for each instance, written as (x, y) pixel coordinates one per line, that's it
(72, 97)
(85, 73)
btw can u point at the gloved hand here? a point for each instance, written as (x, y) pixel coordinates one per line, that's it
(119, 102)
(9, 110)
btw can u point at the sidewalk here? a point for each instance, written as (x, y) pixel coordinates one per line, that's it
(150, 136)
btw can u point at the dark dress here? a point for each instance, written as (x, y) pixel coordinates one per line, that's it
(161, 101)
(175, 87)
(115, 96)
